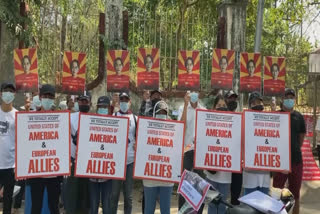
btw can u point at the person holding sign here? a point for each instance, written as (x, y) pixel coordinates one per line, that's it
(256, 180)
(7, 145)
(298, 131)
(128, 183)
(156, 189)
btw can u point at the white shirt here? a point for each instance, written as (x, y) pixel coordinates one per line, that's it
(219, 177)
(131, 136)
(7, 139)
(253, 179)
(190, 125)
(74, 120)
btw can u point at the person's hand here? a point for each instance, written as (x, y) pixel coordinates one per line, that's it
(187, 98)
(115, 99)
(146, 95)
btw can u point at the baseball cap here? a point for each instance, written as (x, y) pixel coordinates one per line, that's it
(155, 91)
(7, 85)
(231, 93)
(47, 89)
(289, 91)
(253, 96)
(103, 100)
(124, 94)
(161, 105)
(85, 96)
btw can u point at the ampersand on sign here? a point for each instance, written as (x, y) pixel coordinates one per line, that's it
(43, 145)
(266, 142)
(159, 150)
(218, 141)
(102, 147)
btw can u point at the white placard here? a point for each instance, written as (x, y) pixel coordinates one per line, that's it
(218, 141)
(102, 146)
(42, 144)
(159, 150)
(267, 141)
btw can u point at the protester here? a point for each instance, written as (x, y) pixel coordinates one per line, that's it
(298, 131)
(156, 189)
(7, 145)
(72, 104)
(256, 180)
(36, 103)
(100, 189)
(187, 114)
(115, 106)
(63, 105)
(146, 104)
(75, 188)
(125, 111)
(219, 180)
(51, 184)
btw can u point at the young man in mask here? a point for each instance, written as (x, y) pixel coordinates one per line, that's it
(298, 131)
(187, 113)
(76, 189)
(52, 184)
(7, 145)
(125, 111)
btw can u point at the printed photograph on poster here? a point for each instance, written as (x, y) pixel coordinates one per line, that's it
(26, 70)
(74, 72)
(222, 69)
(118, 70)
(43, 144)
(188, 70)
(218, 141)
(274, 76)
(267, 141)
(159, 150)
(102, 146)
(250, 72)
(148, 67)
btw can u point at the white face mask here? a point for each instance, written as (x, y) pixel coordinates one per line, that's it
(7, 97)
(161, 116)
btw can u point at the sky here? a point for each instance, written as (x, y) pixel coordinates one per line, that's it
(311, 27)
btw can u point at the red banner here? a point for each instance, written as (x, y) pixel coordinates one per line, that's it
(189, 70)
(309, 125)
(311, 171)
(250, 72)
(274, 76)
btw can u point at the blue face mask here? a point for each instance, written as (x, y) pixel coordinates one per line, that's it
(47, 103)
(288, 103)
(76, 107)
(161, 116)
(124, 107)
(103, 111)
(7, 97)
(194, 97)
(36, 101)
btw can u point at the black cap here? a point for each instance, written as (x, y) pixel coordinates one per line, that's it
(231, 93)
(103, 100)
(253, 96)
(289, 91)
(7, 85)
(124, 94)
(85, 96)
(155, 91)
(47, 89)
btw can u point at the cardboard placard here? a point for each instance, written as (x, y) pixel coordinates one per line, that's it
(42, 144)
(267, 141)
(102, 146)
(218, 141)
(159, 150)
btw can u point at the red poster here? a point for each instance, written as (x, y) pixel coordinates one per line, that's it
(222, 69)
(311, 171)
(26, 69)
(74, 72)
(118, 68)
(309, 125)
(274, 76)
(148, 67)
(250, 72)
(189, 70)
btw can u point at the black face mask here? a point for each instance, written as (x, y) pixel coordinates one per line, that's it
(154, 101)
(222, 109)
(258, 108)
(232, 105)
(84, 108)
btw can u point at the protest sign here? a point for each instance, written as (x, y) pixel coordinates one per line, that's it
(102, 146)
(188, 70)
(267, 141)
(159, 150)
(311, 171)
(218, 141)
(42, 144)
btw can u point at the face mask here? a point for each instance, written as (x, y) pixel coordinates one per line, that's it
(288, 103)
(232, 105)
(36, 101)
(47, 103)
(103, 111)
(84, 108)
(258, 108)
(161, 116)
(76, 107)
(222, 109)
(124, 107)
(194, 97)
(7, 97)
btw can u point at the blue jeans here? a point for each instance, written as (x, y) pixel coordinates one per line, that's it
(97, 189)
(261, 189)
(150, 199)
(224, 190)
(127, 192)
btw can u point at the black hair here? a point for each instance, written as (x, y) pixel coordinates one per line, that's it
(26, 57)
(223, 57)
(251, 60)
(275, 64)
(76, 61)
(114, 62)
(185, 62)
(217, 99)
(145, 59)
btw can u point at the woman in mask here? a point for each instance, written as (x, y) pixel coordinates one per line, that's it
(156, 189)
(256, 180)
(218, 179)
